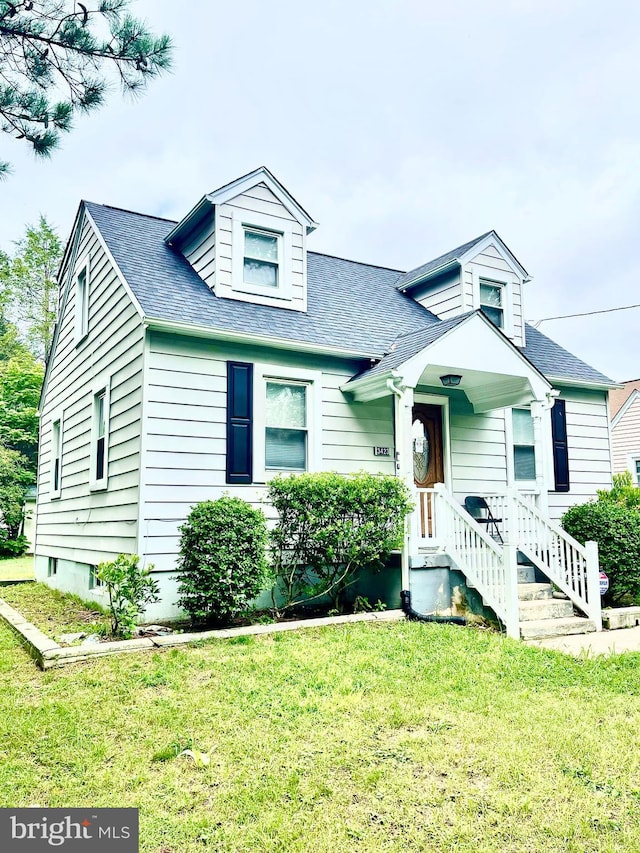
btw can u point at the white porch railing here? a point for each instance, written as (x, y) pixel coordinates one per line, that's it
(572, 567)
(441, 523)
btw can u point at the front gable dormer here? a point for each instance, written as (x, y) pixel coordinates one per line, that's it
(482, 274)
(247, 241)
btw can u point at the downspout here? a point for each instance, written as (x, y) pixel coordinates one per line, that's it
(405, 594)
(399, 456)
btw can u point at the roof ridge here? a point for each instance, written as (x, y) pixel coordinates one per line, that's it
(127, 210)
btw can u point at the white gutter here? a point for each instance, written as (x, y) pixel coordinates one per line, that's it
(200, 331)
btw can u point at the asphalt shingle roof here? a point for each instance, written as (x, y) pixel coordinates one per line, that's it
(350, 305)
(438, 262)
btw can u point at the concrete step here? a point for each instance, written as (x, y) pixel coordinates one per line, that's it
(550, 608)
(534, 591)
(541, 628)
(526, 574)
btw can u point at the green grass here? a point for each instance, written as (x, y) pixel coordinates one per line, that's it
(387, 737)
(53, 612)
(20, 567)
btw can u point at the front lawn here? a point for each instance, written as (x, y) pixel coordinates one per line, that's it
(54, 612)
(20, 567)
(390, 737)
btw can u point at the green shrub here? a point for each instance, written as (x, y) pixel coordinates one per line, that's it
(616, 529)
(623, 491)
(222, 565)
(129, 588)
(330, 528)
(12, 547)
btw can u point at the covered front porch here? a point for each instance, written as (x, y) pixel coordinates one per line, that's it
(456, 436)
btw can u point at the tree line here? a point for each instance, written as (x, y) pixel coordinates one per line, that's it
(28, 302)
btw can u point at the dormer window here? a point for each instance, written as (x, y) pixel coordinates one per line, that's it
(262, 254)
(492, 301)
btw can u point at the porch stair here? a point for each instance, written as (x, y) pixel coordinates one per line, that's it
(543, 615)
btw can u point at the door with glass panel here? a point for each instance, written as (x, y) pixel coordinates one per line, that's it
(428, 464)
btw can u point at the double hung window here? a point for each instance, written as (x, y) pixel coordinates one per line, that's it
(524, 452)
(492, 301)
(286, 429)
(262, 253)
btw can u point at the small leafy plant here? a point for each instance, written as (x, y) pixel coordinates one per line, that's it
(330, 528)
(223, 563)
(129, 588)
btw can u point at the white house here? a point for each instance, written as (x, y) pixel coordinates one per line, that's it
(625, 429)
(201, 357)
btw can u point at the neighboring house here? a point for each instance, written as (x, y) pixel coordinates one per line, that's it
(201, 357)
(29, 523)
(625, 429)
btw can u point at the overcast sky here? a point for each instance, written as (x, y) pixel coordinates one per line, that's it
(404, 128)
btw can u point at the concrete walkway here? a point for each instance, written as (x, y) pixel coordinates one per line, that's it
(599, 643)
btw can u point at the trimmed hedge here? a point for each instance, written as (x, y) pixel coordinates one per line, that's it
(331, 527)
(616, 529)
(222, 565)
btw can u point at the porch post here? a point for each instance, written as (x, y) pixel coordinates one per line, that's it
(509, 555)
(593, 583)
(403, 410)
(538, 407)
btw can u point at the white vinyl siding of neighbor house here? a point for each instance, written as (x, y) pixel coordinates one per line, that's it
(80, 525)
(490, 265)
(589, 449)
(259, 207)
(625, 440)
(184, 459)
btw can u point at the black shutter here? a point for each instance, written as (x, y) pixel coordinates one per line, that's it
(560, 448)
(239, 422)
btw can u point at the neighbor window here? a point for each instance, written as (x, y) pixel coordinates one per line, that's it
(524, 454)
(638, 472)
(56, 458)
(262, 251)
(492, 301)
(286, 429)
(100, 439)
(82, 302)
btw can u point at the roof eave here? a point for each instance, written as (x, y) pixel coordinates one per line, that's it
(582, 383)
(189, 221)
(200, 331)
(421, 279)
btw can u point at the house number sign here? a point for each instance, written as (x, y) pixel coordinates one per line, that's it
(381, 451)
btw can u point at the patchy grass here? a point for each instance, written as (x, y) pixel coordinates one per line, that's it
(53, 612)
(387, 737)
(20, 567)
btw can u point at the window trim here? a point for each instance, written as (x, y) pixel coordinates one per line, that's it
(312, 379)
(260, 223)
(506, 281)
(82, 305)
(634, 468)
(57, 418)
(96, 484)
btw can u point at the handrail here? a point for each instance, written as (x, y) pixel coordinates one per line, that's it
(488, 566)
(569, 565)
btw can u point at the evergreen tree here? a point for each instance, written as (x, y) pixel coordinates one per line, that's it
(56, 57)
(29, 287)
